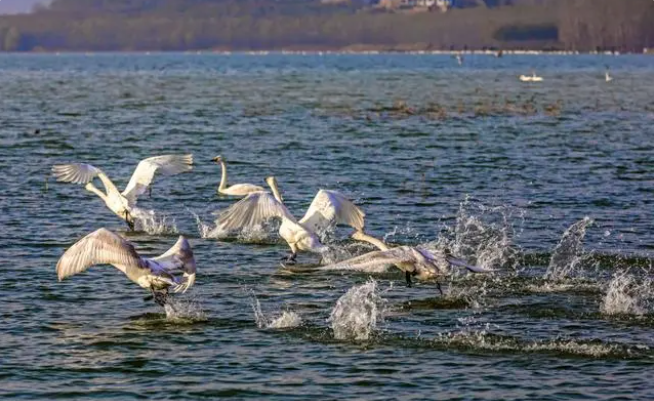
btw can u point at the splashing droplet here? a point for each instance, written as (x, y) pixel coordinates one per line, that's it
(626, 295)
(566, 260)
(356, 313)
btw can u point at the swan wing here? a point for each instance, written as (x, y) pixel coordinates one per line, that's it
(178, 259)
(77, 173)
(375, 262)
(466, 265)
(255, 209)
(330, 208)
(147, 168)
(98, 248)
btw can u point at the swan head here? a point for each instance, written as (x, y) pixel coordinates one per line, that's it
(217, 159)
(271, 181)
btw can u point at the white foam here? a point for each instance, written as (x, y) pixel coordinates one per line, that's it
(356, 314)
(627, 295)
(184, 310)
(568, 255)
(287, 319)
(153, 223)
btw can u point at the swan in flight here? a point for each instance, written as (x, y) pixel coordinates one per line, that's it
(124, 204)
(531, 78)
(236, 189)
(328, 209)
(413, 261)
(174, 269)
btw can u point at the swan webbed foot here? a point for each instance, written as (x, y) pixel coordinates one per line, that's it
(290, 259)
(160, 297)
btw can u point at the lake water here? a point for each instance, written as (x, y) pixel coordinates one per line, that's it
(434, 152)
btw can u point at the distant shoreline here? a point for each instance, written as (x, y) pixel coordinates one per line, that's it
(494, 53)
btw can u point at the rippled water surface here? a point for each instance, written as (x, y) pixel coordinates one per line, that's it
(549, 183)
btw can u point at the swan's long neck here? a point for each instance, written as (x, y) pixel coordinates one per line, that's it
(275, 190)
(361, 236)
(223, 177)
(109, 186)
(92, 188)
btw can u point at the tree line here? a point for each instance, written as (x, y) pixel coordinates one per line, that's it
(134, 25)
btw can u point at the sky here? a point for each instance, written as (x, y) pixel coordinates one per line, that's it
(18, 6)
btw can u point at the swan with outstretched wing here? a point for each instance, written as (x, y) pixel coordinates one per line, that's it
(413, 261)
(123, 203)
(328, 209)
(174, 270)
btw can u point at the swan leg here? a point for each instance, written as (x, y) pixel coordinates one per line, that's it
(290, 259)
(438, 286)
(129, 220)
(407, 275)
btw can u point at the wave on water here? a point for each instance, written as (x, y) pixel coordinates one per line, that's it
(628, 295)
(287, 319)
(184, 310)
(356, 314)
(482, 340)
(568, 256)
(152, 223)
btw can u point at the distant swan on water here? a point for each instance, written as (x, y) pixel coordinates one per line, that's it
(413, 261)
(236, 189)
(124, 204)
(328, 208)
(174, 269)
(607, 76)
(531, 78)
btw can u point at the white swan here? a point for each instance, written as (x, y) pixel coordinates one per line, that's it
(103, 247)
(236, 189)
(124, 204)
(607, 76)
(413, 261)
(328, 209)
(531, 78)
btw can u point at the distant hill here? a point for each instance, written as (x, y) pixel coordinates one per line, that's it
(177, 25)
(19, 6)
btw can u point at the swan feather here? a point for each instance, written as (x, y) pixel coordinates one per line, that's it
(330, 208)
(98, 248)
(147, 168)
(77, 173)
(255, 209)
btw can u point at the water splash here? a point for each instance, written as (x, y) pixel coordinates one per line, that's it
(355, 315)
(483, 340)
(626, 295)
(187, 310)
(484, 235)
(203, 229)
(287, 319)
(153, 223)
(472, 295)
(568, 255)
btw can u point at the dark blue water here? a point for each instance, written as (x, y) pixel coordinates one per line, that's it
(432, 151)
